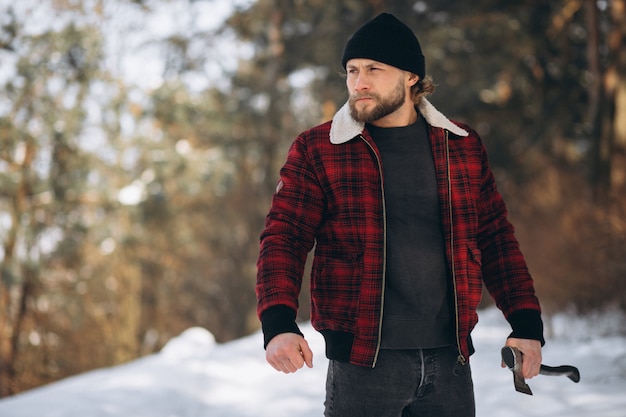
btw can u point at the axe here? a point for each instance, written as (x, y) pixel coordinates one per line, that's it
(512, 358)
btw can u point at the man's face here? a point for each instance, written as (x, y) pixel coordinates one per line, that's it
(376, 90)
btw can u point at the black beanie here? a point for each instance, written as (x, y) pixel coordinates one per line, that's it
(387, 40)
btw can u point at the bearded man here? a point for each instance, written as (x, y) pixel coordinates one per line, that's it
(407, 224)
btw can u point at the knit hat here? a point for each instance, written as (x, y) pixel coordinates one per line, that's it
(386, 39)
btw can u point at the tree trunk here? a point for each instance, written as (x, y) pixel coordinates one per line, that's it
(13, 304)
(127, 273)
(600, 176)
(617, 51)
(605, 96)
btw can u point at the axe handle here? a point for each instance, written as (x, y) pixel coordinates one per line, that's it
(564, 370)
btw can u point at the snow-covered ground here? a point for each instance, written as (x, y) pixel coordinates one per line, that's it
(194, 376)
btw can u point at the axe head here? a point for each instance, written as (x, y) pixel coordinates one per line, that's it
(512, 358)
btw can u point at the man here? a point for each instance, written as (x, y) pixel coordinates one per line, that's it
(407, 225)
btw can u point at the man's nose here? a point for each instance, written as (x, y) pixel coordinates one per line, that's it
(361, 82)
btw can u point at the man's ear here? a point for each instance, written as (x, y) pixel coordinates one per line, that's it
(413, 78)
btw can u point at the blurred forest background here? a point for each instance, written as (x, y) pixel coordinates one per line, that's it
(140, 142)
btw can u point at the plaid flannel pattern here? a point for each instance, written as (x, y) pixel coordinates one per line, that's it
(330, 197)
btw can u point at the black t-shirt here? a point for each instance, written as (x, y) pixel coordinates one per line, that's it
(417, 310)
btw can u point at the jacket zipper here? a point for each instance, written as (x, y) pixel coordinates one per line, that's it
(460, 359)
(382, 294)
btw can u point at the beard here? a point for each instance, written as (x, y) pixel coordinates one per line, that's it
(383, 106)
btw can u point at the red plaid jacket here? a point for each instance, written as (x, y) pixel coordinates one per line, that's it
(330, 196)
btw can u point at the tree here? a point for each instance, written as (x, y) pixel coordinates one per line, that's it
(55, 293)
(43, 181)
(131, 211)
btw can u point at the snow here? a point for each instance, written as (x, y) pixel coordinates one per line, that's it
(195, 376)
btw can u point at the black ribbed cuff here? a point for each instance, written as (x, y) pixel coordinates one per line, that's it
(527, 324)
(276, 320)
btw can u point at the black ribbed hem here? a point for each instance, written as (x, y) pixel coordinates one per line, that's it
(527, 324)
(276, 320)
(338, 345)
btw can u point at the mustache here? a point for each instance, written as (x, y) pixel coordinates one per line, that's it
(356, 97)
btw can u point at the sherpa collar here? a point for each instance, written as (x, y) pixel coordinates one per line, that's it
(344, 127)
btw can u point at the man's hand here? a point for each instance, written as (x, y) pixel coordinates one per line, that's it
(288, 352)
(531, 351)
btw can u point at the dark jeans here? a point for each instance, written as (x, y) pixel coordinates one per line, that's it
(404, 383)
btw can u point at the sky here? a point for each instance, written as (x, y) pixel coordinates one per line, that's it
(132, 35)
(194, 376)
